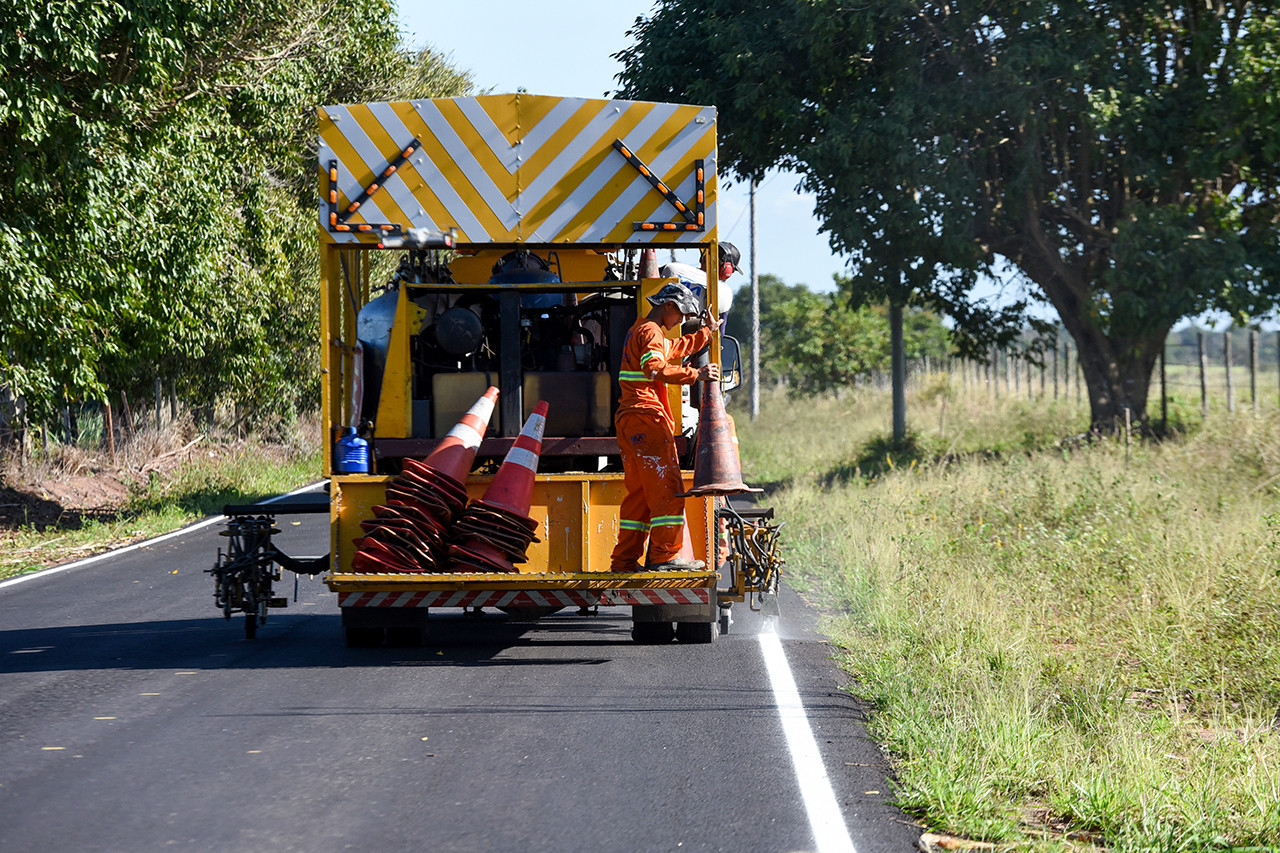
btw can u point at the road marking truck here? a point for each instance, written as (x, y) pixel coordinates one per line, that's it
(501, 242)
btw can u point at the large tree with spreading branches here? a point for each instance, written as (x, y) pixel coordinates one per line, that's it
(1121, 155)
(157, 190)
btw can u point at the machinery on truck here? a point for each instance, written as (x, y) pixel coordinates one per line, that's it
(517, 237)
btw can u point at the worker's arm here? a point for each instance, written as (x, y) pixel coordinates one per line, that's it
(689, 344)
(654, 365)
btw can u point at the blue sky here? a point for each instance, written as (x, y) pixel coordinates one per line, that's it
(564, 47)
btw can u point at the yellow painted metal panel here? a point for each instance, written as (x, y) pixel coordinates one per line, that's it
(512, 169)
(395, 415)
(573, 265)
(577, 517)
(351, 500)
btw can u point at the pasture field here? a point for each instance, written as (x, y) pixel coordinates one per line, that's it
(1061, 647)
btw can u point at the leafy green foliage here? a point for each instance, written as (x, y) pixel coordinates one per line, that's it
(157, 189)
(818, 342)
(1123, 155)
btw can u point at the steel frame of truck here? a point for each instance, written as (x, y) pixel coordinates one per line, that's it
(483, 176)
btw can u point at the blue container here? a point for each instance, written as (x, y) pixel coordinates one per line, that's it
(351, 453)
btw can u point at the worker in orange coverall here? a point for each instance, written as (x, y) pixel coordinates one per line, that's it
(646, 431)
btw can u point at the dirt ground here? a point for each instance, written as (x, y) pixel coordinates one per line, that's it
(73, 484)
(61, 504)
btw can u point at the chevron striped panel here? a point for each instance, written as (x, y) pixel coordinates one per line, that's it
(510, 169)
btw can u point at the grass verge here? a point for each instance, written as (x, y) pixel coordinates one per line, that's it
(194, 486)
(1063, 650)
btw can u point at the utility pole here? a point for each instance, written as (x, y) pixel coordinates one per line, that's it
(755, 312)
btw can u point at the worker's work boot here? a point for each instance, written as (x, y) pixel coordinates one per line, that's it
(626, 567)
(679, 564)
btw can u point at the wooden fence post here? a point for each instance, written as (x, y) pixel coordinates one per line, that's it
(1055, 370)
(1253, 370)
(126, 415)
(1226, 359)
(109, 430)
(1079, 378)
(1164, 392)
(995, 371)
(1204, 370)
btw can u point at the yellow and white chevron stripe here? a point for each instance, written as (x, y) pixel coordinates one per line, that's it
(519, 169)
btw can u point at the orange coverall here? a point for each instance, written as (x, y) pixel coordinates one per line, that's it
(646, 436)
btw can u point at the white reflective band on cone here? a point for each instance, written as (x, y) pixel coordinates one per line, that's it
(525, 458)
(465, 433)
(483, 409)
(535, 427)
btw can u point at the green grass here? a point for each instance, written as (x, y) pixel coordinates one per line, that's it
(240, 473)
(1062, 650)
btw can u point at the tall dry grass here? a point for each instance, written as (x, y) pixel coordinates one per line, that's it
(155, 482)
(1064, 649)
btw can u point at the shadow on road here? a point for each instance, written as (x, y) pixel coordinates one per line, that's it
(315, 640)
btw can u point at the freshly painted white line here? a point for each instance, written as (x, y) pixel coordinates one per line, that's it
(199, 525)
(829, 830)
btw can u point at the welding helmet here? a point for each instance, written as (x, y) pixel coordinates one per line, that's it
(677, 293)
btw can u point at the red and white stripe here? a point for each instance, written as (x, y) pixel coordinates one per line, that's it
(525, 598)
(524, 452)
(470, 430)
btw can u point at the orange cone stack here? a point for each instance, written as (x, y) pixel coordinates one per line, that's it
(408, 533)
(717, 469)
(494, 532)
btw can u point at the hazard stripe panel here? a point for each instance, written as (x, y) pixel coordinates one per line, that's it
(525, 598)
(520, 169)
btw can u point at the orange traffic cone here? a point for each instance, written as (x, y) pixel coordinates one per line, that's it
(454, 455)
(512, 486)
(716, 467)
(494, 532)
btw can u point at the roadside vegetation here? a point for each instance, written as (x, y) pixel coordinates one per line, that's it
(71, 501)
(1064, 645)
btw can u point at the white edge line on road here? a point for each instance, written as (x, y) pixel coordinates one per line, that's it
(829, 830)
(66, 567)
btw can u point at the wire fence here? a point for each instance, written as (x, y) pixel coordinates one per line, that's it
(1198, 371)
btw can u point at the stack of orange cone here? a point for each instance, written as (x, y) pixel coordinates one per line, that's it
(408, 533)
(494, 532)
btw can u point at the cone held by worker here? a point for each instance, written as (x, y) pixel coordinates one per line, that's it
(651, 513)
(717, 469)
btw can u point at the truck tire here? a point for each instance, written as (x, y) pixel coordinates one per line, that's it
(361, 636)
(696, 633)
(407, 636)
(652, 633)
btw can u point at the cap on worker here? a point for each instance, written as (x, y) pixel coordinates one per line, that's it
(678, 293)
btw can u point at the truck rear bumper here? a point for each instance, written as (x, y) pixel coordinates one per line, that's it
(580, 589)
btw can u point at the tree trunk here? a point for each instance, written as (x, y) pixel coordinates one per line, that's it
(1117, 370)
(1115, 383)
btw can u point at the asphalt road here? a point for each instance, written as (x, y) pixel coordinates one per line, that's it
(134, 718)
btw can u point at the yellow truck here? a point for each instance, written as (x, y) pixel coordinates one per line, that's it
(517, 238)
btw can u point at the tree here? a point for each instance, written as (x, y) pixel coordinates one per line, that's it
(157, 189)
(1121, 155)
(816, 342)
